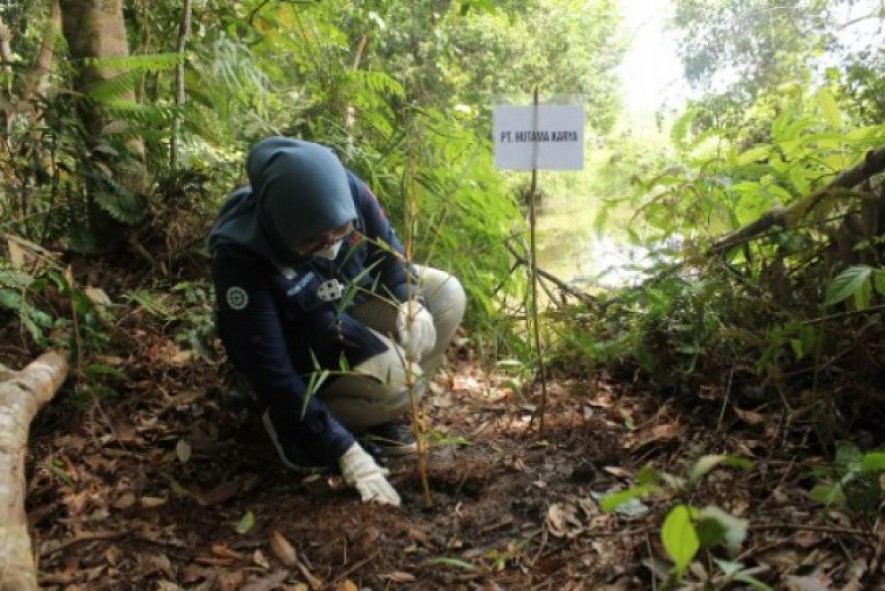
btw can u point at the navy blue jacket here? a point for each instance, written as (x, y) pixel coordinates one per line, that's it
(280, 325)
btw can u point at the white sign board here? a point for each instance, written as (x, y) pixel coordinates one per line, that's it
(544, 137)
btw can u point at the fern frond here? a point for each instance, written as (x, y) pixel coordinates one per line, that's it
(202, 126)
(113, 88)
(682, 126)
(125, 207)
(380, 82)
(156, 116)
(153, 62)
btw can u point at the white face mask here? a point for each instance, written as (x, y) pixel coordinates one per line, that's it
(329, 252)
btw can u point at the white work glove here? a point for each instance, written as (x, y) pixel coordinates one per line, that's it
(417, 334)
(362, 473)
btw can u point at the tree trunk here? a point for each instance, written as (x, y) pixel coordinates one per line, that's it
(35, 80)
(184, 28)
(22, 393)
(96, 31)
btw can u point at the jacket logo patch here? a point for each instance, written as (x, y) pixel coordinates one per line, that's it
(330, 291)
(236, 298)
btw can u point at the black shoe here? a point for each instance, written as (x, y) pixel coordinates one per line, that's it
(390, 439)
(292, 455)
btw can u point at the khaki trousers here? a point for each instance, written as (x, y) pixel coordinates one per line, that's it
(376, 391)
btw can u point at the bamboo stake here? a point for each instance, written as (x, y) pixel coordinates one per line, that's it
(411, 217)
(533, 276)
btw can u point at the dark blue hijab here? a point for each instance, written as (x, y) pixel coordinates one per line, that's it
(296, 191)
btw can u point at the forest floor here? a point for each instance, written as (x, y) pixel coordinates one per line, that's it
(170, 484)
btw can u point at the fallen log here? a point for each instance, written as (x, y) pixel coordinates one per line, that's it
(22, 393)
(873, 164)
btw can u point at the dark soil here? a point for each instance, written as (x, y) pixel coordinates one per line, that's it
(146, 491)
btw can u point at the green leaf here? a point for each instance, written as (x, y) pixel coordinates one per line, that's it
(612, 501)
(873, 461)
(879, 281)
(754, 154)
(10, 299)
(799, 181)
(245, 524)
(715, 526)
(680, 538)
(779, 194)
(831, 110)
(827, 494)
(846, 283)
(41, 318)
(848, 457)
(752, 581)
(863, 296)
(707, 463)
(13, 278)
(736, 571)
(728, 567)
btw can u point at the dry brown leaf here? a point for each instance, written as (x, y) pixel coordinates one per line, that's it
(783, 558)
(419, 535)
(152, 502)
(812, 583)
(183, 451)
(347, 585)
(222, 551)
(191, 573)
(807, 539)
(125, 432)
(282, 549)
(398, 577)
(619, 472)
(265, 583)
(749, 417)
(259, 559)
(183, 357)
(601, 401)
(17, 254)
(315, 583)
(155, 563)
(124, 501)
(657, 433)
(219, 494)
(97, 296)
(230, 581)
(112, 555)
(71, 443)
(92, 574)
(562, 521)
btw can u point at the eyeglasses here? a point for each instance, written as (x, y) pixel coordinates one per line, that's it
(311, 245)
